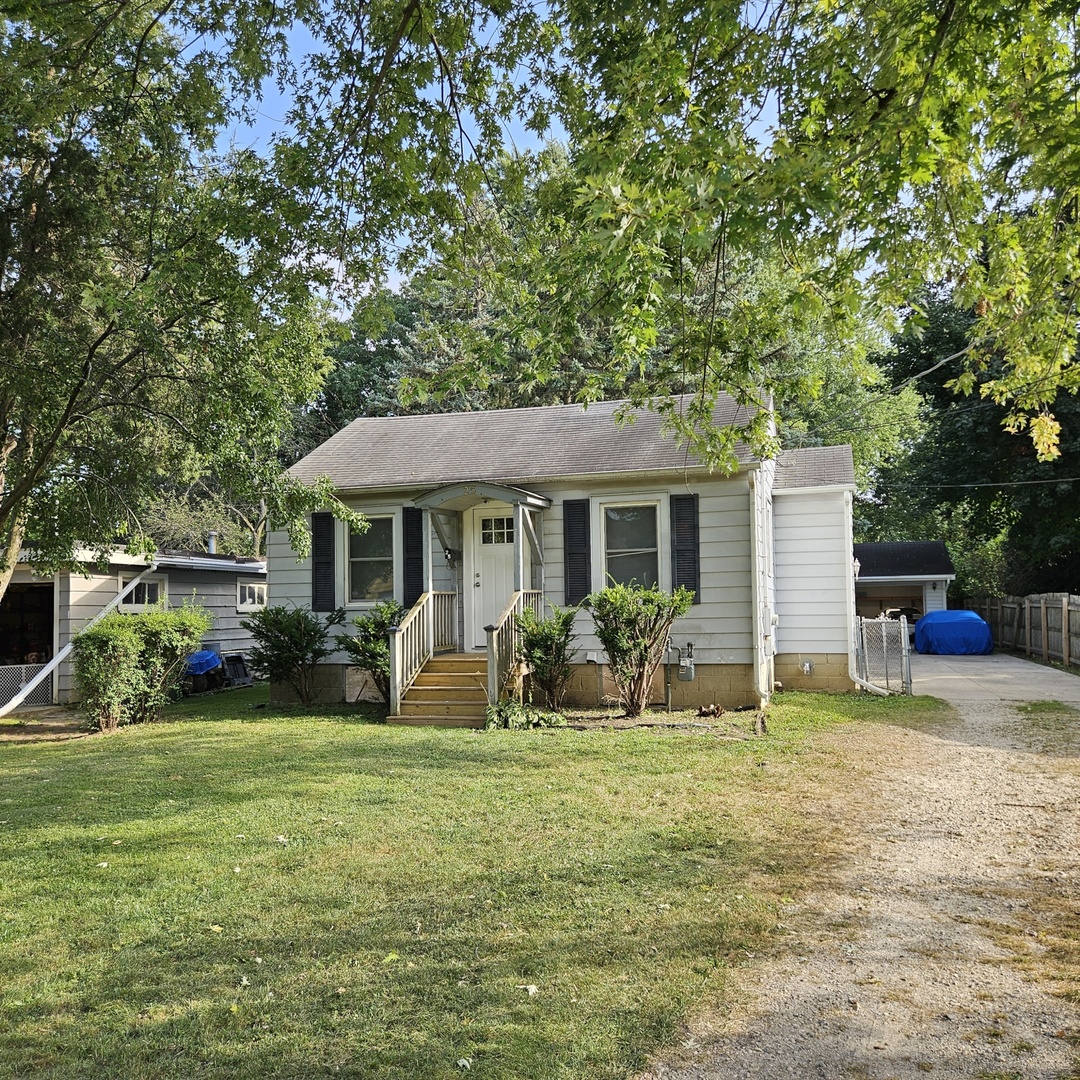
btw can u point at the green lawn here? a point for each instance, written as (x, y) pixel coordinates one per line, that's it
(244, 893)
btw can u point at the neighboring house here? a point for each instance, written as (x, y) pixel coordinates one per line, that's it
(912, 575)
(474, 515)
(40, 615)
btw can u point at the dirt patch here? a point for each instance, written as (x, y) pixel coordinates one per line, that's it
(45, 725)
(917, 954)
(728, 724)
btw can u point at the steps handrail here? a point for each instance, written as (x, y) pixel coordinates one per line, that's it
(503, 638)
(425, 627)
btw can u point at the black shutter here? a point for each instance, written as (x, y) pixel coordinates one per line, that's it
(323, 568)
(413, 534)
(685, 558)
(578, 566)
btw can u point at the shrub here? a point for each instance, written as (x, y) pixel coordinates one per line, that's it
(513, 716)
(129, 666)
(546, 646)
(369, 647)
(168, 639)
(106, 658)
(290, 643)
(633, 625)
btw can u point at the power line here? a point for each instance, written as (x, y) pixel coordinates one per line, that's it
(1005, 483)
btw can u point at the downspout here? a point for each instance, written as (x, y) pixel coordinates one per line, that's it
(759, 660)
(62, 655)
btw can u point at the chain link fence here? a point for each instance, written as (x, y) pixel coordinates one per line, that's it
(883, 654)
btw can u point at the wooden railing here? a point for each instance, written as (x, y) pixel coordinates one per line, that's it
(504, 637)
(430, 624)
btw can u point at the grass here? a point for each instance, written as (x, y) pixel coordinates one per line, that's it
(250, 892)
(1053, 709)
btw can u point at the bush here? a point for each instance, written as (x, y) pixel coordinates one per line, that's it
(513, 716)
(129, 666)
(633, 625)
(546, 646)
(369, 647)
(290, 644)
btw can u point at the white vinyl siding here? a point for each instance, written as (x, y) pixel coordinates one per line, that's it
(720, 625)
(814, 574)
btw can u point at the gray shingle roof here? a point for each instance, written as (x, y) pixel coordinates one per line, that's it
(505, 445)
(915, 558)
(814, 466)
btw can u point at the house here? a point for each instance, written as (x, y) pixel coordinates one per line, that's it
(474, 515)
(912, 576)
(39, 616)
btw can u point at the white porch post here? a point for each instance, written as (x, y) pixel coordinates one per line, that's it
(395, 670)
(429, 581)
(425, 532)
(519, 547)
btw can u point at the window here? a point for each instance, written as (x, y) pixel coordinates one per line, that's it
(371, 562)
(631, 549)
(497, 530)
(147, 593)
(250, 595)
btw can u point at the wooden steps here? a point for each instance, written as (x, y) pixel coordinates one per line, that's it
(451, 691)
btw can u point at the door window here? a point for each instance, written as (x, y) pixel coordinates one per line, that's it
(497, 530)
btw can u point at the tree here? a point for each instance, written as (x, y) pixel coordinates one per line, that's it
(877, 145)
(1011, 522)
(872, 146)
(152, 320)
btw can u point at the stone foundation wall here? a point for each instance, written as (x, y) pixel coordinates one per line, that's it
(830, 671)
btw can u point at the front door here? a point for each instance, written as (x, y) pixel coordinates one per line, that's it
(489, 571)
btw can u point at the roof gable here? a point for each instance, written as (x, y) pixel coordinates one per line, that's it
(814, 467)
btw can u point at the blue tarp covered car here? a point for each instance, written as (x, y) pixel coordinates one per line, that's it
(953, 633)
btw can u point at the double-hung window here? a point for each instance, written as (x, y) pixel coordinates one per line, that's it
(371, 562)
(631, 544)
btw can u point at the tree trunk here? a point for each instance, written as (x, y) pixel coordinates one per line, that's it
(10, 552)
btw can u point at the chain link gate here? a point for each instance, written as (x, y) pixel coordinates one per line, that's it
(883, 655)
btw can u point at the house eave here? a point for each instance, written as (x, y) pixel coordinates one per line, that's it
(905, 578)
(822, 489)
(529, 482)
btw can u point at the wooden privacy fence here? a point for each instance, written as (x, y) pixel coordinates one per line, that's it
(1046, 625)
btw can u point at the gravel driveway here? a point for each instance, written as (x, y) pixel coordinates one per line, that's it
(892, 968)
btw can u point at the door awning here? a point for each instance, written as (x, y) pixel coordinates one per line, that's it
(468, 494)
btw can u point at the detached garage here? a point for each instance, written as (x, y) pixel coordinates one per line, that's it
(911, 575)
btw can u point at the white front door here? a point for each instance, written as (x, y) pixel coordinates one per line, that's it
(489, 569)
